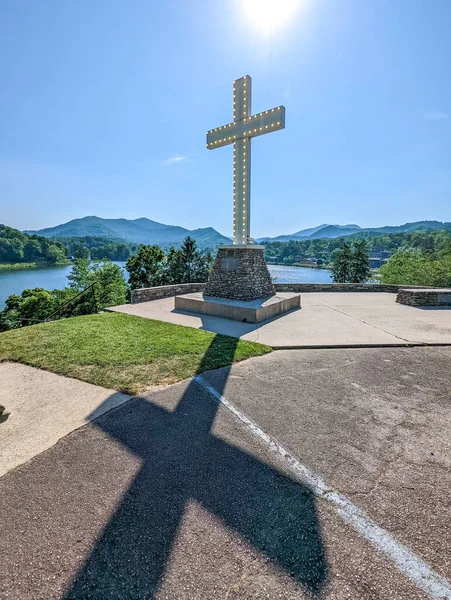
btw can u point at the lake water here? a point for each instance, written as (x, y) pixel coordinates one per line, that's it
(49, 278)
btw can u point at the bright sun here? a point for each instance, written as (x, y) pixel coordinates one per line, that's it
(268, 14)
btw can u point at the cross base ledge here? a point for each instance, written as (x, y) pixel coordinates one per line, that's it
(254, 311)
(241, 247)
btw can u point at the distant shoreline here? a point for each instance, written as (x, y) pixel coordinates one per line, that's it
(304, 266)
(32, 265)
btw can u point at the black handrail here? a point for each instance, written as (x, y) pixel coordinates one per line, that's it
(65, 304)
(71, 300)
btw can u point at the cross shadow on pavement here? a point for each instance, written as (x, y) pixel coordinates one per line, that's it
(183, 461)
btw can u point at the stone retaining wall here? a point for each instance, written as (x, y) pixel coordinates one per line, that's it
(424, 297)
(165, 291)
(335, 287)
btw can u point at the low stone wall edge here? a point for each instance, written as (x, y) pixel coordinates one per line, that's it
(166, 291)
(336, 287)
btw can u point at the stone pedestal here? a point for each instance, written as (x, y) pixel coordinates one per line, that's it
(240, 273)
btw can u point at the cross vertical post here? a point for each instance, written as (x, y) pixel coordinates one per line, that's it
(239, 133)
(241, 164)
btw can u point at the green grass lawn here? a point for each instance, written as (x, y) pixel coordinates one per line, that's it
(123, 352)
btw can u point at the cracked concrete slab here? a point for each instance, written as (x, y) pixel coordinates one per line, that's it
(374, 423)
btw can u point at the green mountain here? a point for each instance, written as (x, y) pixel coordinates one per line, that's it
(310, 232)
(335, 231)
(140, 231)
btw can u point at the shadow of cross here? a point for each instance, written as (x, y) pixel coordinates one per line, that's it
(183, 461)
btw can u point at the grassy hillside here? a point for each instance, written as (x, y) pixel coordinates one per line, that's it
(121, 351)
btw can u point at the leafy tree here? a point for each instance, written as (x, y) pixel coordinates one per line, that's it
(416, 267)
(79, 251)
(110, 289)
(31, 307)
(35, 305)
(79, 276)
(341, 267)
(360, 267)
(147, 268)
(52, 253)
(32, 250)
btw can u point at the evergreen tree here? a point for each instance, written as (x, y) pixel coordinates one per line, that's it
(359, 270)
(189, 264)
(341, 267)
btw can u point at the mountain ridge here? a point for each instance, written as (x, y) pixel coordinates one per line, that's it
(334, 231)
(140, 231)
(147, 231)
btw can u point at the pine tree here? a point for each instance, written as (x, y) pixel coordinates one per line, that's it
(341, 267)
(189, 264)
(360, 266)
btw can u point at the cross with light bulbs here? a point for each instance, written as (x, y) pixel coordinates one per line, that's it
(239, 133)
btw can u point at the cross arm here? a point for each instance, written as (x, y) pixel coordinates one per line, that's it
(258, 124)
(222, 136)
(264, 122)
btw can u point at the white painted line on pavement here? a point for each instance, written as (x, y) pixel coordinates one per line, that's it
(407, 562)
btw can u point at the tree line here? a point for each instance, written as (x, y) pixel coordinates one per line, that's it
(325, 249)
(430, 266)
(98, 248)
(18, 247)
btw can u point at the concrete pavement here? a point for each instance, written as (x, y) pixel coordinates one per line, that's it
(375, 423)
(326, 319)
(43, 408)
(170, 497)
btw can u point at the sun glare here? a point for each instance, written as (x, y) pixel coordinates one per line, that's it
(269, 14)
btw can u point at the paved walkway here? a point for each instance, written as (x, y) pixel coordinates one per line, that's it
(172, 496)
(44, 408)
(327, 319)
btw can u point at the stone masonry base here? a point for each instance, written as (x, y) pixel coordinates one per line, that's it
(240, 274)
(424, 297)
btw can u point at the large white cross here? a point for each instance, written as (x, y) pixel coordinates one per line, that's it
(239, 133)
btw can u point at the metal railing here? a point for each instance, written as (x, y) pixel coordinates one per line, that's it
(71, 300)
(69, 305)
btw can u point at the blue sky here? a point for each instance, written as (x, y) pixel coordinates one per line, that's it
(105, 105)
